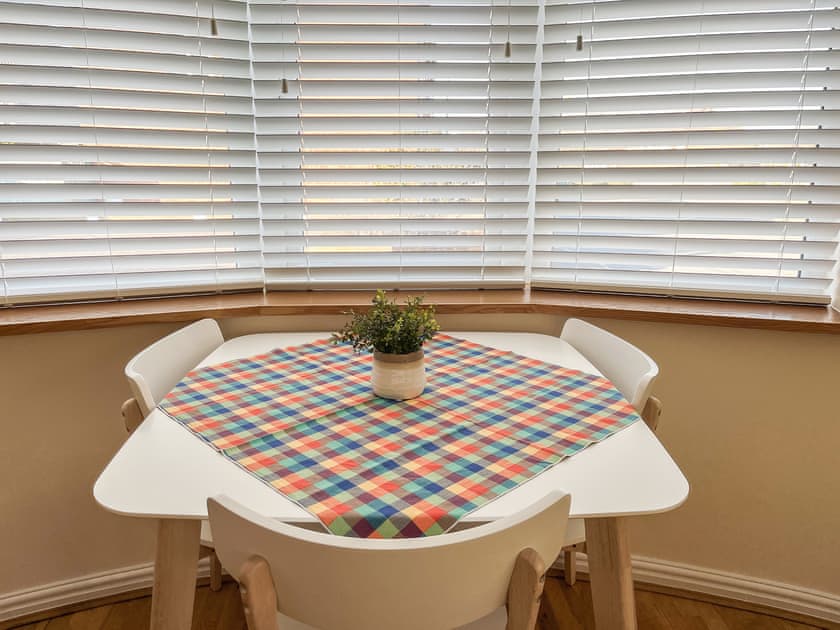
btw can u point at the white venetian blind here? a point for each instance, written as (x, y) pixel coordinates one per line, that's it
(400, 154)
(690, 147)
(127, 152)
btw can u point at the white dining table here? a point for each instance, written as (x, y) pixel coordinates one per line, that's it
(165, 472)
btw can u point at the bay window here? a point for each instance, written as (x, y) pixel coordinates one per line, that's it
(674, 148)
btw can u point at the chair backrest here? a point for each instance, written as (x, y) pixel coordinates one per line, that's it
(153, 372)
(629, 369)
(333, 582)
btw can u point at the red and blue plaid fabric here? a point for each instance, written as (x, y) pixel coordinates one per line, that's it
(305, 421)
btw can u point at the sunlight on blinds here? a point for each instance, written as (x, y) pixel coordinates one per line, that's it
(689, 148)
(127, 151)
(400, 155)
(674, 148)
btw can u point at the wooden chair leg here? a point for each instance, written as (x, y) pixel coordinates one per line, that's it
(570, 566)
(259, 599)
(215, 573)
(525, 591)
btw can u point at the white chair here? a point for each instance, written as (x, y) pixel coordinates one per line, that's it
(633, 373)
(480, 578)
(152, 374)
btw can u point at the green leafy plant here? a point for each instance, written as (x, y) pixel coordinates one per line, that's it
(389, 328)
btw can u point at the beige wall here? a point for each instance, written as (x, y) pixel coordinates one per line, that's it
(751, 417)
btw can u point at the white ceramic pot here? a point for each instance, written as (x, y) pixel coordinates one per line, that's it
(398, 376)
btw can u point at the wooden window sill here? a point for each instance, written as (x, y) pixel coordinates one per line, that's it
(35, 319)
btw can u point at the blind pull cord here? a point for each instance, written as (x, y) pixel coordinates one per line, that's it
(507, 43)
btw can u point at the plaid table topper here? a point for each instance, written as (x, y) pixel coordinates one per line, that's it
(305, 421)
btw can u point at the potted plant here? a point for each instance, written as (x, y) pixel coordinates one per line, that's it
(395, 335)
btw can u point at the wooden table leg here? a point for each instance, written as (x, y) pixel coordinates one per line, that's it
(176, 566)
(610, 573)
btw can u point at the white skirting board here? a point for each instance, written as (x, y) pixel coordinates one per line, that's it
(662, 573)
(88, 587)
(742, 588)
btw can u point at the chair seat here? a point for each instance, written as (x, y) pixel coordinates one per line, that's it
(575, 532)
(496, 620)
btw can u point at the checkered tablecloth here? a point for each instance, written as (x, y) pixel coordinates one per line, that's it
(305, 421)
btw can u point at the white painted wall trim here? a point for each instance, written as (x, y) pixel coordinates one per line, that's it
(81, 589)
(732, 586)
(660, 572)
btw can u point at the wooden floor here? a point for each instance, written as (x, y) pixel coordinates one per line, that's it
(563, 607)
